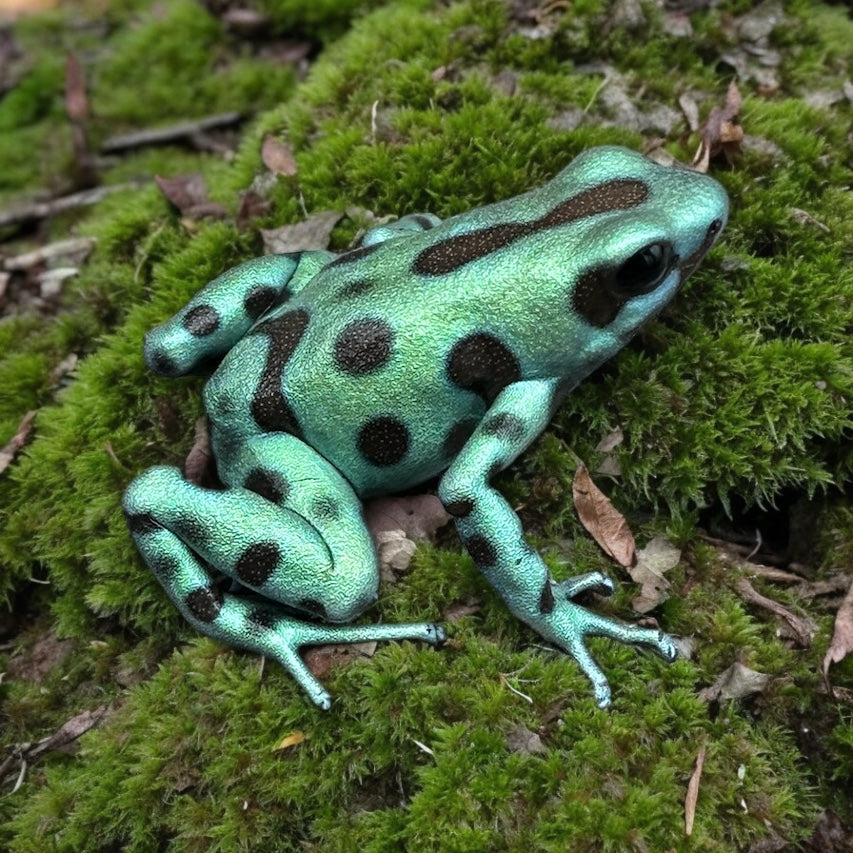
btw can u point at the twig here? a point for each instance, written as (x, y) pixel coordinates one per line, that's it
(59, 249)
(190, 131)
(802, 632)
(36, 210)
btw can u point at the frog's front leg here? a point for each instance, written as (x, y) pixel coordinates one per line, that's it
(225, 309)
(414, 223)
(289, 528)
(493, 536)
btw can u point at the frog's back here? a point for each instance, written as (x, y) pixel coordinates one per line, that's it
(386, 361)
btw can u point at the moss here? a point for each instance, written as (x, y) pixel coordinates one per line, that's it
(740, 393)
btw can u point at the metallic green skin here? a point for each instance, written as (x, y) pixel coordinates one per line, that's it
(433, 347)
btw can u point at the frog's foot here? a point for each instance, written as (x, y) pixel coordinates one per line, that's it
(285, 636)
(590, 582)
(568, 625)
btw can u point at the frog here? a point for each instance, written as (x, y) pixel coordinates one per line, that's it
(433, 351)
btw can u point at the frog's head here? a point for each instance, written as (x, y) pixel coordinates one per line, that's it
(656, 225)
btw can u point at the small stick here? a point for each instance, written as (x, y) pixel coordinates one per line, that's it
(189, 131)
(36, 210)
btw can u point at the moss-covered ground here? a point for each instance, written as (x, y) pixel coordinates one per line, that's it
(735, 407)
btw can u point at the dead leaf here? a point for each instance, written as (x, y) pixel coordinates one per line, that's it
(418, 516)
(653, 562)
(188, 193)
(610, 441)
(36, 662)
(691, 111)
(200, 455)
(721, 133)
(802, 631)
(313, 233)
(842, 636)
(693, 793)
(18, 440)
(73, 251)
(246, 22)
(69, 731)
(524, 742)
(293, 739)
(736, 682)
(397, 524)
(321, 659)
(460, 609)
(252, 206)
(805, 218)
(395, 553)
(277, 157)
(76, 100)
(603, 521)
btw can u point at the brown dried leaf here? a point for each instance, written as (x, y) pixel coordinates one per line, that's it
(252, 206)
(313, 233)
(842, 636)
(321, 659)
(653, 562)
(76, 100)
(693, 793)
(459, 609)
(802, 631)
(278, 157)
(63, 368)
(200, 455)
(418, 516)
(18, 440)
(49, 652)
(70, 731)
(188, 193)
(397, 523)
(246, 22)
(735, 683)
(721, 133)
(603, 521)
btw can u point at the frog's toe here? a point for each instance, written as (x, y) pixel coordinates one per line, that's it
(600, 685)
(436, 635)
(666, 647)
(590, 582)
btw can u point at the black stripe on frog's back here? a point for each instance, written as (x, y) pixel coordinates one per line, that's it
(269, 408)
(461, 249)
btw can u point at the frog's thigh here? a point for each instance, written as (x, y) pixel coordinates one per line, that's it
(291, 475)
(268, 548)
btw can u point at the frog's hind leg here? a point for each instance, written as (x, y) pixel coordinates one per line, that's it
(290, 529)
(225, 309)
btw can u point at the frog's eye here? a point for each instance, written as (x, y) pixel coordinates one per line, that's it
(644, 270)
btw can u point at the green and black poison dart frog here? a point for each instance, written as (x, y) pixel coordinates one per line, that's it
(433, 347)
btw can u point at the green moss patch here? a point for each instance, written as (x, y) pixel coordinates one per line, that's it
(736, 400)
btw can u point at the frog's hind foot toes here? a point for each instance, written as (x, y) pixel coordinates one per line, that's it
(577, 624)
(589, 582)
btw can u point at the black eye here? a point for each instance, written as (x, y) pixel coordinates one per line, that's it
(644, 270)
